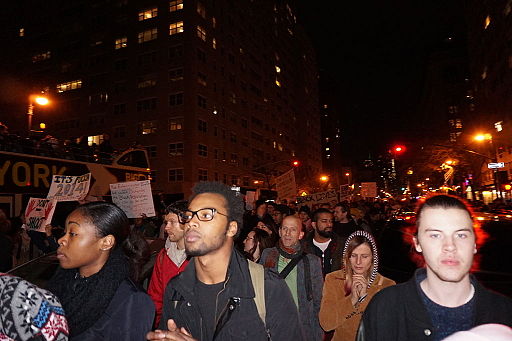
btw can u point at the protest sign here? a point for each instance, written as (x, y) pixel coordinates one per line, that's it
(39, 213)
(368, 189)
(345, 192)
(330, 197)
(134, 198)
(285, 185)
(69, 187)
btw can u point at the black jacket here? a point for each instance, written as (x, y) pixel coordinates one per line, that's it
(332, 257)
(398, 312)
(238, 318)
(129, 316)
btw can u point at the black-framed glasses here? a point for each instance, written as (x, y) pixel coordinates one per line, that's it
(203, 214)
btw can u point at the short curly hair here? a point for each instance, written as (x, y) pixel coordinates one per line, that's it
(235, 204)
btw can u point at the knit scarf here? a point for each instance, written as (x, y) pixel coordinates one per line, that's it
(85, 299)
(289, 252)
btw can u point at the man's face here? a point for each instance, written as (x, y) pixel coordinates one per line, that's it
(323, 225)
(303, 216)
(447, 241)
(291, 231)
(174, 229)
(270, 209)
(261, 210)
(339, 214)
(278, 217)
(206, 237)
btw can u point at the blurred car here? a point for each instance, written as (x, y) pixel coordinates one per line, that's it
(404, 215)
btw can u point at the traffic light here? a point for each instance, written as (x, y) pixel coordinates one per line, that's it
(295, 163)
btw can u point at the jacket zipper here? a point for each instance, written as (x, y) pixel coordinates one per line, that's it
(217, 318)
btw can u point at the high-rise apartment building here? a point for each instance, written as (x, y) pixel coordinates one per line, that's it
(215, 90)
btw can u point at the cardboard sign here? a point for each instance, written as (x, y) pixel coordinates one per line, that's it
(368, 189)
(285, 185)
(134, 198)
(39, 213)
(330, 197)
(69, 187)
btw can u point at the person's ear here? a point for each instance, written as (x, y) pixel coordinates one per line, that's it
(474, 249)
(301, 234)
(107, 242)
(417, 245)
(232, 229)
(313, 224)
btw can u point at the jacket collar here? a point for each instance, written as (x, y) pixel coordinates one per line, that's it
(238, 278)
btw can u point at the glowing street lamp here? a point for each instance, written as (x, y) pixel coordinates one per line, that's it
(324, 178)
(483, 137)
(39, 100)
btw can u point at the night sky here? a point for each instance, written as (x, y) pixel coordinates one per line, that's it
(372, 57)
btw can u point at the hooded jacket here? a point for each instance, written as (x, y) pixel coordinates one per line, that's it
(337, 311)
(238, 317)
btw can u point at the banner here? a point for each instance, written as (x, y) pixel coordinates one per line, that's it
(69, 187)
(39, 213)
(134, 198)
(330, 197)
(368, 189)
(285, 185)
(345, 192)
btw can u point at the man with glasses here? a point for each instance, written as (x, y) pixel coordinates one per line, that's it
(214, 297)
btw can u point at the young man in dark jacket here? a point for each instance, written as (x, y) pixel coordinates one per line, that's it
(442, 298)
(214, 299)
(323, 242)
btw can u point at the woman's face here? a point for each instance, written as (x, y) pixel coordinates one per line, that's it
(80, 247)
(249, 241)
(361, 259)
(261, 225)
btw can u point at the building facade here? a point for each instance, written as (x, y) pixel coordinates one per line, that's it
(215, 90)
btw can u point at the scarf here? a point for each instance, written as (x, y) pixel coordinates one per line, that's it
(86, 299)
(289, 252)
(177, 256)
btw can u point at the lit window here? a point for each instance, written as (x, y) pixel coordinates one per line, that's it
(41, 56)
(214, 43)
(278, 83)
(175, 5)
(487, 22)
(498, 126)
(21, 32)
(278, 69)
(147, 35)
(176, 175)
(176, 149)
(175, 124)
(214, 22)
(201, 10)
(176, 28)
(147, 127)
(148, 14)
(76, 84)
(458, 123)
(121, 42)
(201, 33)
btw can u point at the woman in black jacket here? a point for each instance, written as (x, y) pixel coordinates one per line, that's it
(100, 259)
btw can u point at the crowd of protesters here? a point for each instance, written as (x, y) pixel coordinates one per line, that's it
(312, 272)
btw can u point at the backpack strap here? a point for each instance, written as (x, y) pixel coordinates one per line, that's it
(258, 283)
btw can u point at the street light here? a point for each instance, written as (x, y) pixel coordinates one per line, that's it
(39, 100)
(324, 178)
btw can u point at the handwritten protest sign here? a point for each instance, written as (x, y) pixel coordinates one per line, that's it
(285, 185)
(69, 187)
(368, 189)
(134, 198)
(330, 197)
(39, 213)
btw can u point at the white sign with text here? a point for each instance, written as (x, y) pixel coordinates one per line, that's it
(134, 198)
(39, 213)
(69, 187)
